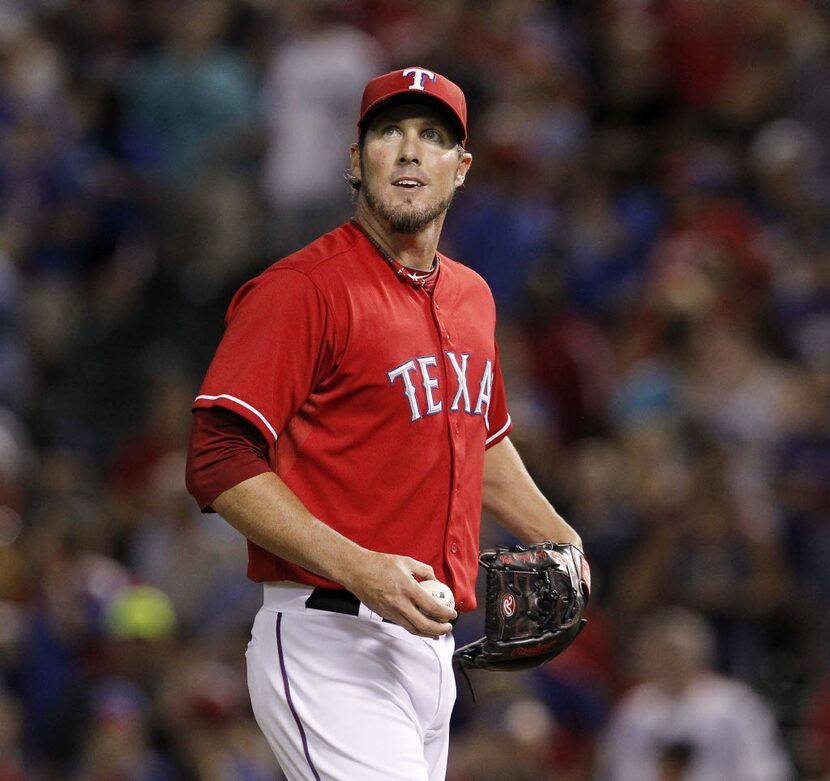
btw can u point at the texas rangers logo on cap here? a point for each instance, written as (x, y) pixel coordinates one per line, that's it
(415, 85)
(419, 74)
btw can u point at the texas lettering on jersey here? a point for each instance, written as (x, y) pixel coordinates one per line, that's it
(422, 371)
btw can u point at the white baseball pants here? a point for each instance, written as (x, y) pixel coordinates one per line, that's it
(348, 697)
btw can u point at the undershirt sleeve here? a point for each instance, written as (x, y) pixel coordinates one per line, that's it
(225, 449)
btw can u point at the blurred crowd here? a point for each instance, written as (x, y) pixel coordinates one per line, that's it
(650, 203)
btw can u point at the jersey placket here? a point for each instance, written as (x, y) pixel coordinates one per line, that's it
(455, 433)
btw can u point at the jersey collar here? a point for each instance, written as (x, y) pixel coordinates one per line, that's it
(405, 274)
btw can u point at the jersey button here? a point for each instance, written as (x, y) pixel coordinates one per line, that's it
(454, 548)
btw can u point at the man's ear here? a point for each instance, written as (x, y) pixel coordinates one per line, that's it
(463, 166)
(354, 156)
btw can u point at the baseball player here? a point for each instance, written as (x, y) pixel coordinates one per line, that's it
(351, 425)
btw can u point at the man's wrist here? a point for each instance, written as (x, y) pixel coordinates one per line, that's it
(352, 565)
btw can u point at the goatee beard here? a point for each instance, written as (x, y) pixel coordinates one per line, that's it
(402, 220)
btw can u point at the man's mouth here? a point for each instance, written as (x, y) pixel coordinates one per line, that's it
(408, 183)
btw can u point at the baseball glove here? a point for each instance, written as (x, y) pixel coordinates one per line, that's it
(536, 597)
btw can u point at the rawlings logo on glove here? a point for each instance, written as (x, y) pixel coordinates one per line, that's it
(536, 598)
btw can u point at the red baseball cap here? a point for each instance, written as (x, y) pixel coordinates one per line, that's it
(415, 85)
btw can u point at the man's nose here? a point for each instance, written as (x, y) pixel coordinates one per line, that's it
(410, 152)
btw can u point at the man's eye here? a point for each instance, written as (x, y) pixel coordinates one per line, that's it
(431, 134)
(391, 130)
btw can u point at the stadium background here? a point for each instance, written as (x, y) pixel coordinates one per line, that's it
(649, 203)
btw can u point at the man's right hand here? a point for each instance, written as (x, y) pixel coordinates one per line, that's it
(388, 585)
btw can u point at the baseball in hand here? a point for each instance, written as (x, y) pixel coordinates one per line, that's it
(440, 591)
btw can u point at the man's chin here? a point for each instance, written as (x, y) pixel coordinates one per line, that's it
(406, 218)
(411, 219)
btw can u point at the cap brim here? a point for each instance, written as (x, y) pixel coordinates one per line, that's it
(414, 97)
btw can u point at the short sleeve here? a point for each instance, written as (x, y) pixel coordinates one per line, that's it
(498, 417)
(277, 346)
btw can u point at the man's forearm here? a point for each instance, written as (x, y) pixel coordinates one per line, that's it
(509, 493)
(266, 511)
(269, 513)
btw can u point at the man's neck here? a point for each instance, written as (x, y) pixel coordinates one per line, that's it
(413, 250)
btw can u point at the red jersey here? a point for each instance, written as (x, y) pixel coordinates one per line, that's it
(377, 396)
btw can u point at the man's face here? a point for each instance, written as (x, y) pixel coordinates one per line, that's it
(410, 166)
